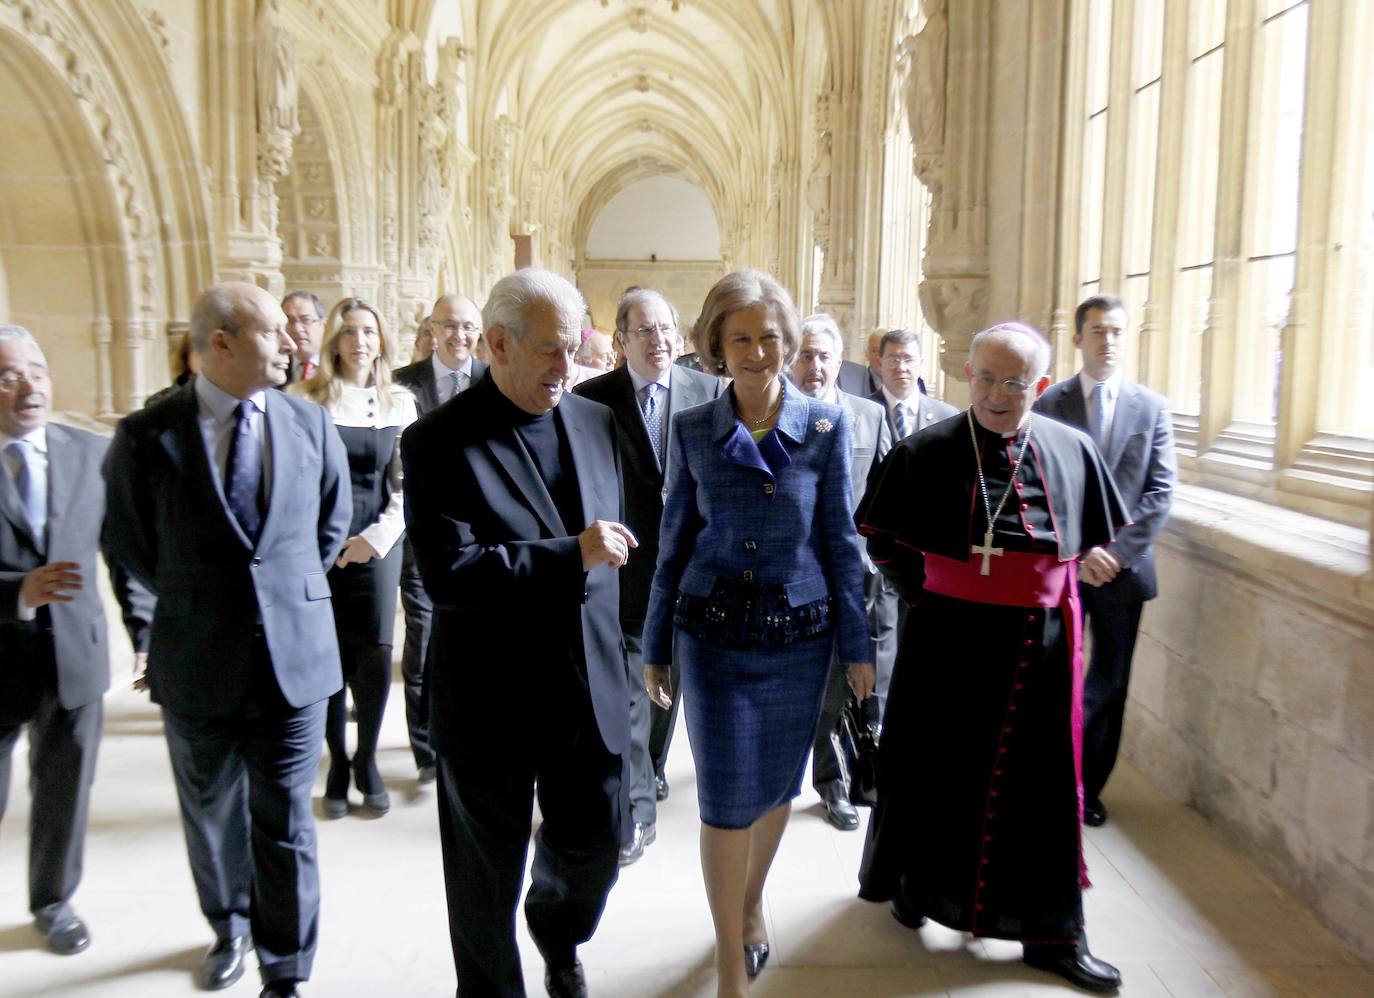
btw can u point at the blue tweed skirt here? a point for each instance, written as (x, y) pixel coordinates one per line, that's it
(751, 720)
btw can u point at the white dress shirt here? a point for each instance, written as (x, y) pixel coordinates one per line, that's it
(442, 373)
(911, 405)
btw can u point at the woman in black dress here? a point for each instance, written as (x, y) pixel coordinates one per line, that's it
(354, 383)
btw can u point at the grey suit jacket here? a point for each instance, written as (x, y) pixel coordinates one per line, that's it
(1140, 456)
(928, 411)
(76, 510)
(169, 526)
(419, 378)
(872, 441)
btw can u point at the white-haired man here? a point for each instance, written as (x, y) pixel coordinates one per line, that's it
(514, 511)
(816, 371)
(52, 628)
(979, 523)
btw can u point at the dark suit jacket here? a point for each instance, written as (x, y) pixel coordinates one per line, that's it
(168, 525)
(1140, 456)
(639, 465)
(76, 509)
(857, 379)
(505, 573)
(928, 411)
(419, 378)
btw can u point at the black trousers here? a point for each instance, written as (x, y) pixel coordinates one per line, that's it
(1114, 622)
(62, 753)
(244, 784)
(419, 612)
(485, 809)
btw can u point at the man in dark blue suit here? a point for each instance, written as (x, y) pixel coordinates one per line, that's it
(644, 394)
(1131, 427)
(230, 503)
(455, 327)
(514, 511)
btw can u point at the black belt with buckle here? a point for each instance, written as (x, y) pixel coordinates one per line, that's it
(738, 614)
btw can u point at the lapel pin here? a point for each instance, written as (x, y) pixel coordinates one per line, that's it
(824, 425)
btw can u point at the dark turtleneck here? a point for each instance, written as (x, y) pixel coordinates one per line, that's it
(547, 443)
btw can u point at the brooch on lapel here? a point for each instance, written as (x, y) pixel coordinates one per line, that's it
(824, 425)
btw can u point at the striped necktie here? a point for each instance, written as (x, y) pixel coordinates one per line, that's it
(653, 419)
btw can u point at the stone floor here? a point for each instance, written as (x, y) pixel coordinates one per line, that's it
(1179, 911)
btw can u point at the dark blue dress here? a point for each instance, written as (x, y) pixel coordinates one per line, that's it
(776, 515)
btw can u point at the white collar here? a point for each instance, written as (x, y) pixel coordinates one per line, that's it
(220, 404)
(892, 400)
(442, 370)
(1113, 384)
(640, 382)
(38, 438)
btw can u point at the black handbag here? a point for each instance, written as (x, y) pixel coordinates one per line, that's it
(856, 743)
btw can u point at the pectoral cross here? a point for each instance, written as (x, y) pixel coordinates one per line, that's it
(986, 550)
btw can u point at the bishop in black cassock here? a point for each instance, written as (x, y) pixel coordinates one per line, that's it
(979, 817)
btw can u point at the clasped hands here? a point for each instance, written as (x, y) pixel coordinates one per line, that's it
(1098, 567)
(862, 678)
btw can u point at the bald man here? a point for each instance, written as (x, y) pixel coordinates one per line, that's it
(230, 503)
(456, 327)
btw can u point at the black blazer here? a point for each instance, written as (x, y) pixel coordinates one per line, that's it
(643, 475)
(1140, 456)
(419, 378)
(76, 509)
(505, 573)
(169, 526)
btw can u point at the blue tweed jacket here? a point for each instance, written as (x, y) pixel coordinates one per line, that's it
(777, 512)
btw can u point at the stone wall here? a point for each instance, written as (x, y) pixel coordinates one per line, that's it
(1253, 694)
(684, 282)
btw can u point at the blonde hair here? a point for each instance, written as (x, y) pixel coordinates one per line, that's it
(739, 290)
(323, 386)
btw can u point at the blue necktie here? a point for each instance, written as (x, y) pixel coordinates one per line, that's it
(653, 419)
(899, 419)
(1097, 412)
(243, 483)
(30, 495)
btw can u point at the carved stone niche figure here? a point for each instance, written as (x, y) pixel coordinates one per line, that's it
(275, 70)
(431, 207)
(818, 183)
(927, 73)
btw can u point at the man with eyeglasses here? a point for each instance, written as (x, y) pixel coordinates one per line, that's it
(908, 410)
(644, 394)
(53, 645)
(1130, 425)
(455, 325)
(979, 522)
(305, 326)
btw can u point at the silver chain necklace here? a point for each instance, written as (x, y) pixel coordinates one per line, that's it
(986, 549)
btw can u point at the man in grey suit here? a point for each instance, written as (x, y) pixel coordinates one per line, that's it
(56, 661)
(455, 326)
(645, 393)
(230, 503)
(816, 372)
(908, 408)
(1130, 425)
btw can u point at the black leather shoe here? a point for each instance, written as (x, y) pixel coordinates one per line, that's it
(907, 916)
(279, 989)
(1095, 814)
(838, 811)
(567, 982)
(633, 851)
(223, 963)
(661, 788)
(428, 774)
(755, 957)
(1076, 965)
(68, 936)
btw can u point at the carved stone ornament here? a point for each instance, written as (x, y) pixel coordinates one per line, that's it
(278, 121)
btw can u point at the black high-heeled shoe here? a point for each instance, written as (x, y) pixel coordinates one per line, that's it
(378, 803)
(335, 803)
(755, 956)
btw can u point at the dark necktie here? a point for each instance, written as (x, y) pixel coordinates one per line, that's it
(455, 385)
(899, 419)
(653, 419)
(243, 481)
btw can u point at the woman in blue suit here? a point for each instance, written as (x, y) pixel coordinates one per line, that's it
(759, 575)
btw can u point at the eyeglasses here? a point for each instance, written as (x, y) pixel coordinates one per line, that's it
(644, 332)
(10, 380)
(898, 361)
(1011, 386)
(458, 327)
